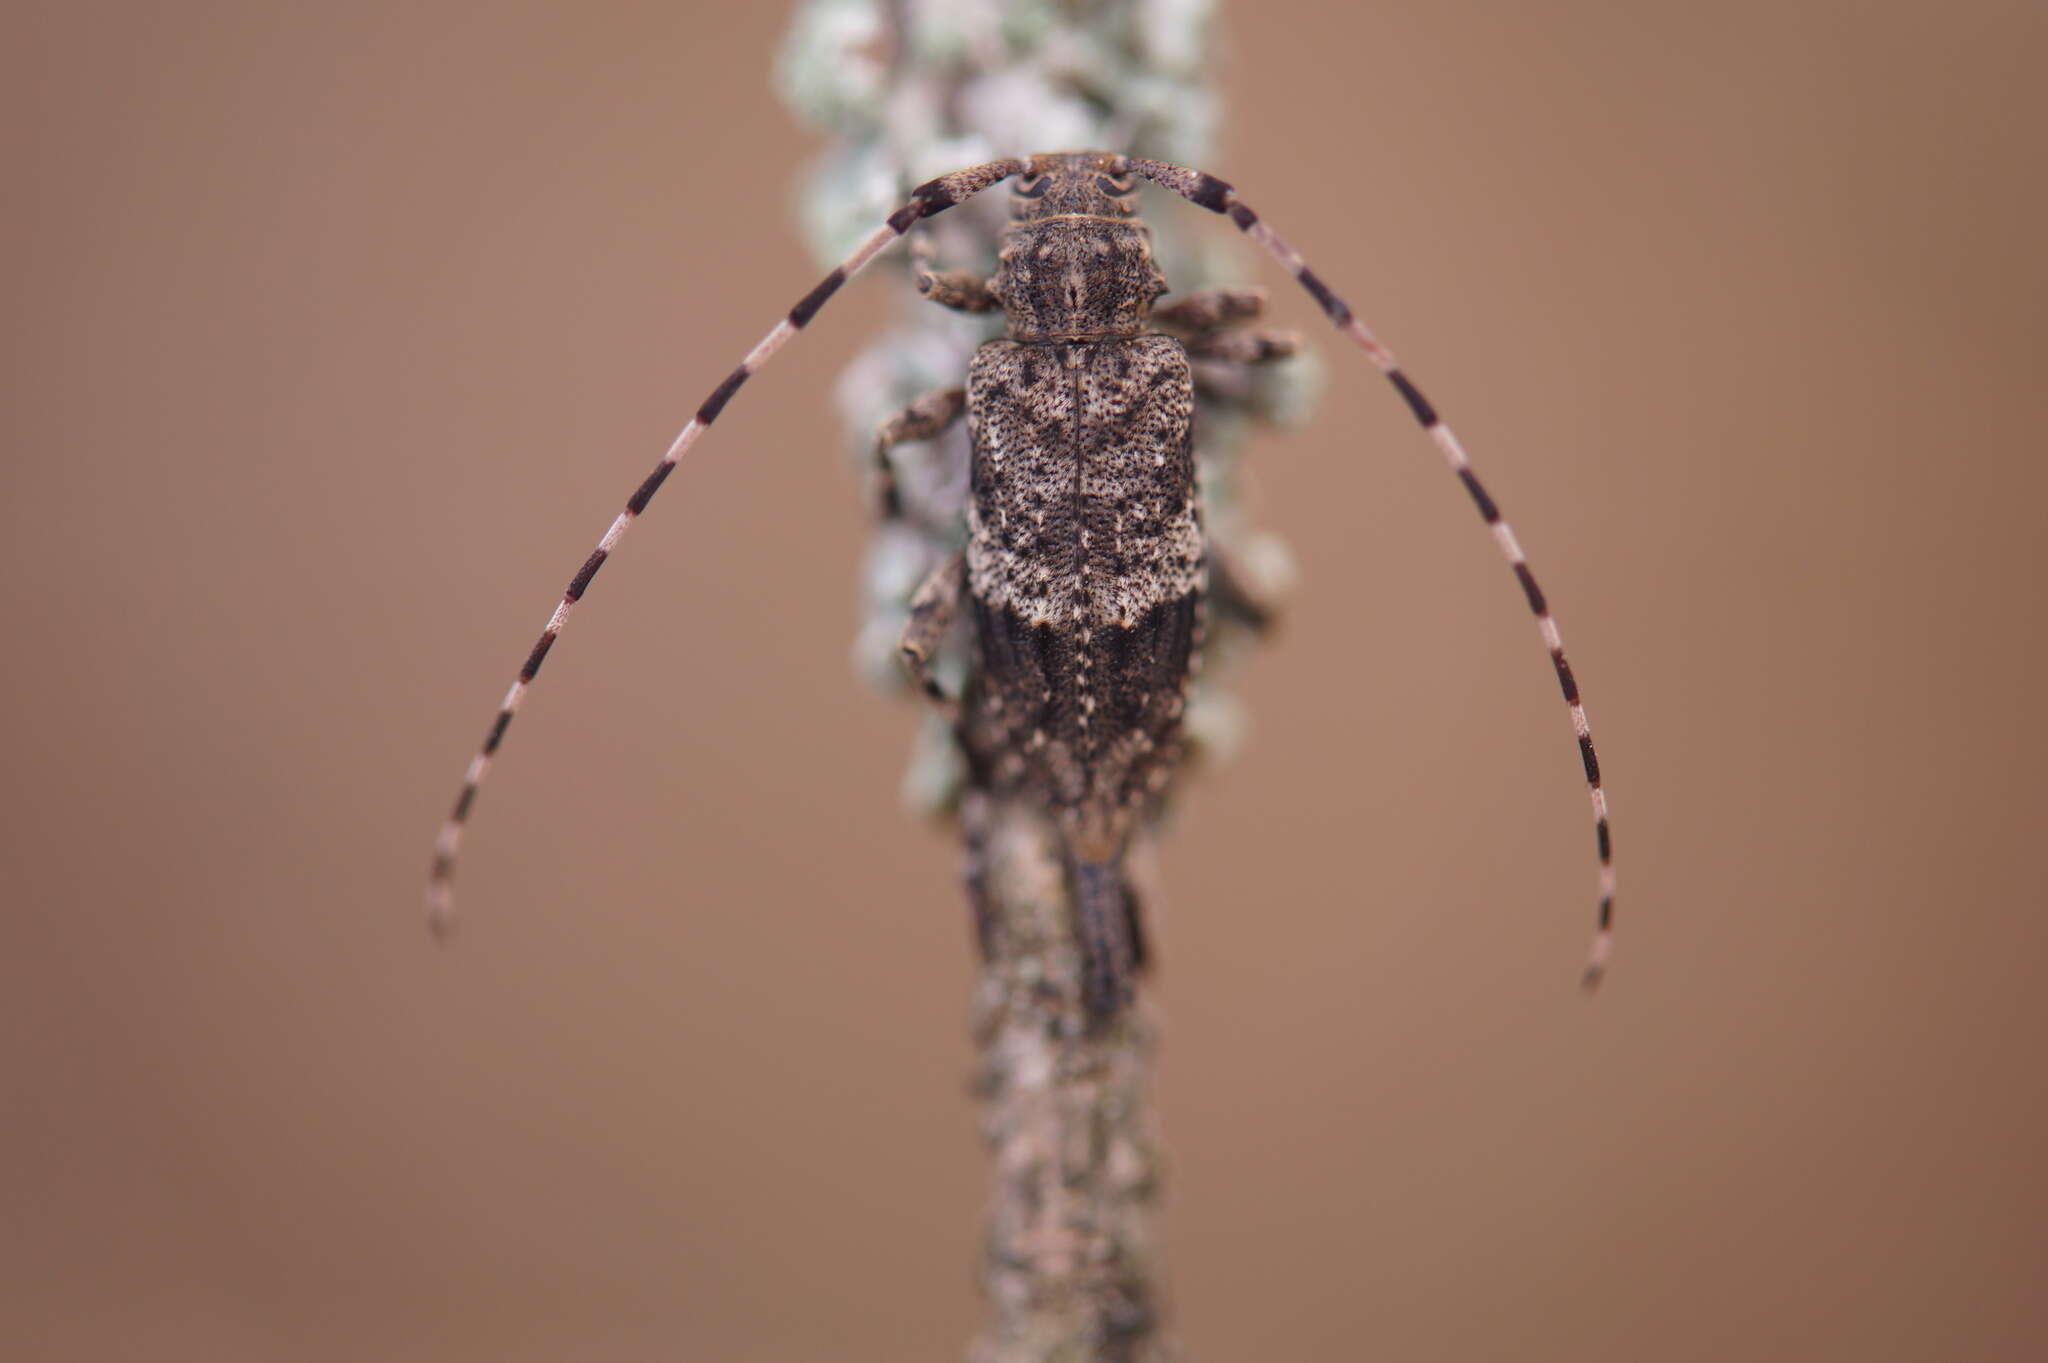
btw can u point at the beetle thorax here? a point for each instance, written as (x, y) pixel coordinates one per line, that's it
(1076, 278)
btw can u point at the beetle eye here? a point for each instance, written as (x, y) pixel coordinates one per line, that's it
(1035, 189)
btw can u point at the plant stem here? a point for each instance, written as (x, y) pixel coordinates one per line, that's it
(908, 91)
(1069, 1270)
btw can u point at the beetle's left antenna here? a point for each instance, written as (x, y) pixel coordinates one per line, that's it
(926, 200)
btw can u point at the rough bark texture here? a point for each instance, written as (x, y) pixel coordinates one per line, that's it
(906, 92)
(1069, 1270)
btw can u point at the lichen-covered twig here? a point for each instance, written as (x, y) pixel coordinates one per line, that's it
(909, 91)
(1069, 1270)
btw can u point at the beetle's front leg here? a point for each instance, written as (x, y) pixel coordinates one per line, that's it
(1210, 324)
(924, 419)
(1208, 310)
(1258, 346)
(960, 290)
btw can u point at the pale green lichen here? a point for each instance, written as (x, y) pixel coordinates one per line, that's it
(907, 91)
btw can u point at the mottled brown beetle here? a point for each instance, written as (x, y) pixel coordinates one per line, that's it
(1085, 565)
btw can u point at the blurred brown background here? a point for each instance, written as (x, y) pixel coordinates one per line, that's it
(337, 333)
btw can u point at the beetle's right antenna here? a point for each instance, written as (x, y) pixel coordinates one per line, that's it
(1206, 191)
(933, 197)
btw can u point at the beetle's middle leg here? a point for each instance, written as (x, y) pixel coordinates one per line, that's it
(933, 608)
(924, 419)
(1211, 323)
(1231, 594)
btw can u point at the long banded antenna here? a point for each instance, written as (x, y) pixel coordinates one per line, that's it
(926, 200)
(1206, 191)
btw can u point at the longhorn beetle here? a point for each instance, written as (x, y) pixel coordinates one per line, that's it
(1085, 565)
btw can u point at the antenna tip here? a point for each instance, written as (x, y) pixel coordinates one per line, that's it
(440, 914)
(1596, 962)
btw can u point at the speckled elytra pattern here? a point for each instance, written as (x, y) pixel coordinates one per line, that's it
(1084, 549)
(1083, 507)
